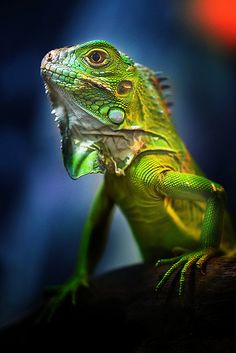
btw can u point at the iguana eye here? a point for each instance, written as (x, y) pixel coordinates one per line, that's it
(97, 58)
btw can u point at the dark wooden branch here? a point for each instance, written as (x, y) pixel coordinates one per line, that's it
(122, 312)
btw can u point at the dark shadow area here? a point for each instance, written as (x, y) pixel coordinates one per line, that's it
(121, 312)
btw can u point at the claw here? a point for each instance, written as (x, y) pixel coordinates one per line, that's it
(168, 274)
(185, 269)
(48, 310)
(167, 261)
(186, 261)
(70, 288)
(202, 262)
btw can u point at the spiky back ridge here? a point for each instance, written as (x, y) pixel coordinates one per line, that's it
(161, 82)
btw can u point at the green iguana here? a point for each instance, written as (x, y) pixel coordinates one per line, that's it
(114, 119)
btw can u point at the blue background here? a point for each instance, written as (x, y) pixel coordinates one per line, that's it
(42, 209)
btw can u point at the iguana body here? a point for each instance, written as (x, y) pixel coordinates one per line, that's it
(114, 119)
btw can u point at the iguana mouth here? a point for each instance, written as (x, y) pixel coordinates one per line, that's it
(71, 115)
(59, 73)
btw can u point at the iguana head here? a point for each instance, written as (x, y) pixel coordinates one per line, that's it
(102, 102)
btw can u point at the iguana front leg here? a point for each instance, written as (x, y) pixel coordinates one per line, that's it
(194, 187)
(91, 247)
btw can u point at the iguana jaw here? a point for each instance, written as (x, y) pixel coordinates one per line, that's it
(89, 146)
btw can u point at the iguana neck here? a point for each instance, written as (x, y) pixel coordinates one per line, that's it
(149, 111)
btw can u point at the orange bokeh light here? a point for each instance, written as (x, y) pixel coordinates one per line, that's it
(217, 18)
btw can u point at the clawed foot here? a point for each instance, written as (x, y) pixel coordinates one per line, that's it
(184, 263)
(70, 288)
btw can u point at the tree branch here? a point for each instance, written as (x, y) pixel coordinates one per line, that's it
(120, 311)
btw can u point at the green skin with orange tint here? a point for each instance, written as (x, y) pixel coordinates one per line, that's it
(114, 119)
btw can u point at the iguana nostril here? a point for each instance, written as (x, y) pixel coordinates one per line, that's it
(50, 57)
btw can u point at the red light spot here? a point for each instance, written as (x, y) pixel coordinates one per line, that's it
(218, 18)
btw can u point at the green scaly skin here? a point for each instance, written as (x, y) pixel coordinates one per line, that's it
(114, 119)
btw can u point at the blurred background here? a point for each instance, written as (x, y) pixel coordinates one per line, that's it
(42, 209)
